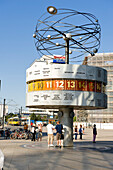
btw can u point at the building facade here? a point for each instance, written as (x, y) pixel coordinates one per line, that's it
(1, 110)
(104, 60)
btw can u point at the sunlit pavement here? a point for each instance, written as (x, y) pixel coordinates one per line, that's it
(84, 155)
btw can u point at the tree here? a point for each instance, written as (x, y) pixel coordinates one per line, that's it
(56, 117)
(44, 118)
(33, 116)
(74, 118)
(38, 118)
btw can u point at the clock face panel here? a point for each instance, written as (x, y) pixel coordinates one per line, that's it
(66, 84)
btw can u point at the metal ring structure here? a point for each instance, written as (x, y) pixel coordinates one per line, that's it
(81, 29)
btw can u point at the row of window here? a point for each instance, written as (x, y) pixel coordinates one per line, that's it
(109, 93)
(110, 83)
(110, 73)
(108, 67)
(109, 88)
(110, 99)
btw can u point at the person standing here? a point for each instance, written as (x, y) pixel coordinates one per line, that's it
(50, 129)
(31, 124)
(76, 132)
(25, 127)
(37, 131)
(33, 133)
(94, 133)
(83, 128)
(59, 128)
(80, 132)
(40, 132)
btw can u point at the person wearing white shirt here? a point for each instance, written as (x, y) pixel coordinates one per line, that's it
(50, 129)
(33, 133)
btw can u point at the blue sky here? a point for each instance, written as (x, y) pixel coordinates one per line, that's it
(18, 19)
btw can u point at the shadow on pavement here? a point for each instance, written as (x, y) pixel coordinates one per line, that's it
(99, 146)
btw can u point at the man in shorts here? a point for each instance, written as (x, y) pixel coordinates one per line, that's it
(50, 129)
(58, 128)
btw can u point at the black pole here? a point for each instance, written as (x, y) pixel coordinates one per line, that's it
(21, 111)
(67, 51)
(20, 114)
(3, 113)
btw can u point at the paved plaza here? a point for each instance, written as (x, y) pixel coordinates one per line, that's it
(85, 155)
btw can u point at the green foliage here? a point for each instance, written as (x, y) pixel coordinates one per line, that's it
(33, 116)
(44, 118)
(38, 118)
(74, 118)
(56, 117)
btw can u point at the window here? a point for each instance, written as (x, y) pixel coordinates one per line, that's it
(110, 104)
(110, 99)
(110, 93)
(110, 82)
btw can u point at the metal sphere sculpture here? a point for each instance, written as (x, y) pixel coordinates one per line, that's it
(66, 31)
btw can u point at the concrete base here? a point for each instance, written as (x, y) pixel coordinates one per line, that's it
(67, 121)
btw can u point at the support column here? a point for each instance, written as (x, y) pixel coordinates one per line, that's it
(66, 119)
(67, 51)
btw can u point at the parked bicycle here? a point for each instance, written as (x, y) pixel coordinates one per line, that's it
(20, 134)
